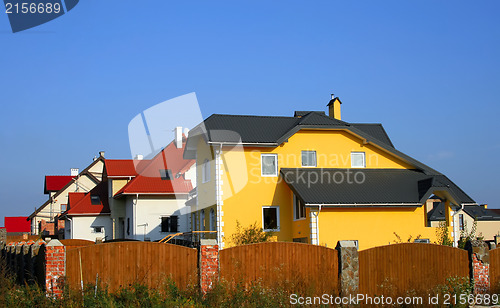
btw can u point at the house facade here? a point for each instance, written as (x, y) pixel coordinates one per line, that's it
(148, 197)
(58, 189)
(88, 215)
(312, 178)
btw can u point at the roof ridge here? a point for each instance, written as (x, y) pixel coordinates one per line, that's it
(254, 116)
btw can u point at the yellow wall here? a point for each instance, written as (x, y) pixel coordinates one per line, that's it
(372, 226)
(245, 191)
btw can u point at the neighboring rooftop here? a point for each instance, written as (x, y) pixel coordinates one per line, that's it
(56, 182)
(92, 203)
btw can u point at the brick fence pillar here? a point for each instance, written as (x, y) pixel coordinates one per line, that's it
(479, 258)
(55, 267)
(348, 267)
(208, 264)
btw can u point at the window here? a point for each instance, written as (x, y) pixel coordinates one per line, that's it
(461, 222)
(202, 221)
(271, 218)
(358, 160)
(128, 225)
(169, 224)
(213, 223)
(95, 200)
(165, 174)
(269, 164)
(299, 209)
(64, 207)
(97, 229)
(205, 171)
(308, 158)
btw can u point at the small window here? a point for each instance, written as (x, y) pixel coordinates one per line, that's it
(299, 208)
(169, 224)
(202, 220)
(128, 225)
(461, 222)
(205, 171)
(95, 200)
(308, 158)
(193, 222)
(271, 218)
(64, 207)
(269, 164)
(97, 229)
(358, 160)
(165, 174)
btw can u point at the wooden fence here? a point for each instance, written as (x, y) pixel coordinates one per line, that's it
(495, 270)
(122, 264)
(76, 243)
(301, 265)
(396, 269)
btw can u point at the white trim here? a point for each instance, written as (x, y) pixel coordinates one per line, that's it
(277, 215)
(364, 160)
(302, 159)
(276, 165)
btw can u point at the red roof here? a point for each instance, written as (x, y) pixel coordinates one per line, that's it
(150, 180)
(124, 167)
(17, 224)
(86, 205)
(56, 182)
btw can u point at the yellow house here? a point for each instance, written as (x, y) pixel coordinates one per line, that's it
(312, 178)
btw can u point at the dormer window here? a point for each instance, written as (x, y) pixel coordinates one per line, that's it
(95, 200)
(166, 174)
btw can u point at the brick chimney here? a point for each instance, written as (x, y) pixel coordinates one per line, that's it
(334, 108)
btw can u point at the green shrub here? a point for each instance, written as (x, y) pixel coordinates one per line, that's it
(250, 235)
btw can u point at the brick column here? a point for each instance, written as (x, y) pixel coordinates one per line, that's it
(479, 258)
(55, 267)
(348, 267)
(208, 264)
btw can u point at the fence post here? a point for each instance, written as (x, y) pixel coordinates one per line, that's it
(55, 267)
(208, 264)
(479, 258)
(348, 267)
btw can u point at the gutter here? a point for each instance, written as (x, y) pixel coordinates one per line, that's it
(342, 205)
(244, 143)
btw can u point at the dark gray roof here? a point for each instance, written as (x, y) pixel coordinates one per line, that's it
(376, 130)
(303, 113)
(480, 213)
(271, 131)
(366, 186)
(475, 211)
(438, 213)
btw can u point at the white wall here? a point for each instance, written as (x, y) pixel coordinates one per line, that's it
(149, 210)
(82, 227)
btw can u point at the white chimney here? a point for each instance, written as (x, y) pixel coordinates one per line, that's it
(101, 153)
(139, 157)
(186, 131)
(178, 137)
(74, 171)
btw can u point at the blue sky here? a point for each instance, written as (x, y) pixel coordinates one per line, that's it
(428, 70)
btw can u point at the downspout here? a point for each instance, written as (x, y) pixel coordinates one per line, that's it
(218, 197)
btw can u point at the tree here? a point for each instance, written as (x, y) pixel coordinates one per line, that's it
(250, 235)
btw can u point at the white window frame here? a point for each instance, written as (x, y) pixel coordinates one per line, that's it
(205, 171)
(275, 169)
(295, 203)
(302, 159)
(364, 159)
(277, 215)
